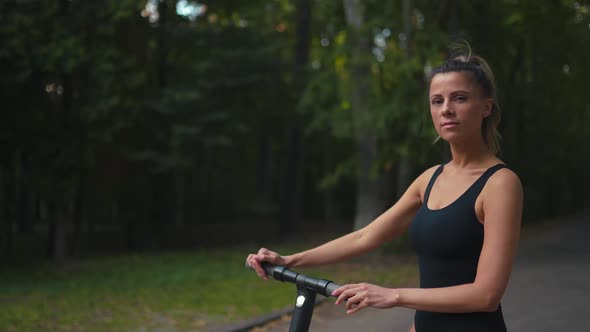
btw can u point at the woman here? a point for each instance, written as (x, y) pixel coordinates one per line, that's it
(463, 217)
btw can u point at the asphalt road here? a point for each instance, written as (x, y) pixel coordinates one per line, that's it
(548, 291)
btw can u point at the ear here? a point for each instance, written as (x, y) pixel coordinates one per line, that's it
(488, 106)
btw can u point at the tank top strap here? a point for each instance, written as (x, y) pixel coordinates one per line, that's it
(431, 183)
(477, 187)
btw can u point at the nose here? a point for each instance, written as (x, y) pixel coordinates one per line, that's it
(446, 109)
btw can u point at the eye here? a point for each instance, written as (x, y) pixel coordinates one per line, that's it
(460, 98)
(436, 101)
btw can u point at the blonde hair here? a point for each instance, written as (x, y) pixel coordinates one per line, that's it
(462, 59)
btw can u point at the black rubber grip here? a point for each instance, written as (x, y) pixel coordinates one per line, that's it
(281, 273)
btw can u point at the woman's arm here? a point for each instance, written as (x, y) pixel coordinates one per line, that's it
(502, 206)
(391, 224)
(387, 226)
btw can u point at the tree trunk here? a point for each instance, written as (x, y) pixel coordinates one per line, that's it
(78, 215)
(160, 181)
(162, 46)
(132, 232)
(404, 168)
(404, 176)
(368, 205)
(57, 232)
(59, 201)
(292, 198)
(157, 202)
(291, 195)
(21, 195)
(180, 199)
(263, 166)
(330, 201)
(5, 229)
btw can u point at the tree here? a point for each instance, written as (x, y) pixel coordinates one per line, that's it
(367, 206)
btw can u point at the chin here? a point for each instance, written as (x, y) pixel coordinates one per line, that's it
(454, 139)
(449, 138)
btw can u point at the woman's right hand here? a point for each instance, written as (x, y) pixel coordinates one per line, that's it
(264, 255)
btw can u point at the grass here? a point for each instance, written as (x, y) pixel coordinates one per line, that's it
(175, 291)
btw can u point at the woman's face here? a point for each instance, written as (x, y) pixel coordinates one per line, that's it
(458, 106)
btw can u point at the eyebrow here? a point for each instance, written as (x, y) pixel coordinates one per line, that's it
(452, 93)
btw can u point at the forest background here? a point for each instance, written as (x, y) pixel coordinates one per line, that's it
(147, 146)
(134, 125)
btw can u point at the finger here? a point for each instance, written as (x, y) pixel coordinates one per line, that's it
(251, 263)
(359, 298)
(340, 293)
(347, 295)
(353, 301)
(251, 260)
(270, 257)
(361, 305)
(264, 251)
(258, 268)
(263, 258)
(341, 289)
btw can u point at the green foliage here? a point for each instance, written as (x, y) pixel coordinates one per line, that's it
(342, 171)
(397, 108)
(108, 112)
(536, 64)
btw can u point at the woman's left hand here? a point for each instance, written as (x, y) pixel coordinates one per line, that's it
(359, 296)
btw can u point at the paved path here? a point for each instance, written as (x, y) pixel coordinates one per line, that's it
(549, 290)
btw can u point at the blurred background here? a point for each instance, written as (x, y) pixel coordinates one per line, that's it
(137, 127)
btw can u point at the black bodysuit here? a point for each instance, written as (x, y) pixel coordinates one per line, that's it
(448, 242)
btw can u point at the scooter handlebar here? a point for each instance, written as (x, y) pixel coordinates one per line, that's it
(281, 273)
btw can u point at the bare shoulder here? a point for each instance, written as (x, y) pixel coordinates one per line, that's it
(503, 192)
(505, 181)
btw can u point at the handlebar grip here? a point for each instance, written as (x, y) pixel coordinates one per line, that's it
(281, 273)
(272, 270)
(331, 288)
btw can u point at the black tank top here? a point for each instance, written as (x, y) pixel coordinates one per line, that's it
(448, 242)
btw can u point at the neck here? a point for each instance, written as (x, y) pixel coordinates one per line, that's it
(469, 155)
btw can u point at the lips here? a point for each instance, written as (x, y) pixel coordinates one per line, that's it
(449, 124)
